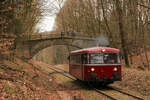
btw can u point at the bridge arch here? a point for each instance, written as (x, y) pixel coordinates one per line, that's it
(30, 47)
(37, 48)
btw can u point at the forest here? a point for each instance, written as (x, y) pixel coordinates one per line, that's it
(125, 23)
(17, 18)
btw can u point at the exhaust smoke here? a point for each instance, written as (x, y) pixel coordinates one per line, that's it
(101, 41)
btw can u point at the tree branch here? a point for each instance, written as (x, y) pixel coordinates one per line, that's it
(143, 5)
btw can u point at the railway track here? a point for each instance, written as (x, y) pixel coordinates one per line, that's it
(122, 93)
(138, 98)
(66, 74)
(62, 73)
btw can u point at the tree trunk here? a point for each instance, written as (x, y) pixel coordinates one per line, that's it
(106, 23)
(122, 35)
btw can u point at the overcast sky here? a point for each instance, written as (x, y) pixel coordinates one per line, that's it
(47, 22)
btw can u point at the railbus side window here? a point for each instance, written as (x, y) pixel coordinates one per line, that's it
(78, 59)
(119, 58)
(72, 59)
(84, 59)
(75, 59)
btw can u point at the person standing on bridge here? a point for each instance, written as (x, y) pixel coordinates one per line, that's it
(73, 33)
(62, 34)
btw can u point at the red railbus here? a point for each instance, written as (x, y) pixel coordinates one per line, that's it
(100, 64)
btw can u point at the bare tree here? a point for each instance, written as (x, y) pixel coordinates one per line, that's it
(122, 33)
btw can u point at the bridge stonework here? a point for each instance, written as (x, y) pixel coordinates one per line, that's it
(29, 47)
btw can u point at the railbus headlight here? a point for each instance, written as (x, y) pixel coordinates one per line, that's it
(92, 69)
(103, 50)
(115, 69)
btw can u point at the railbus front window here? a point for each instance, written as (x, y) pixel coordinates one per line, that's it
(111, 58)
(104, 58)
(96, 58)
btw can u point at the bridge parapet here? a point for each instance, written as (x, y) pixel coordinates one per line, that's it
(39, 36)
(53, 36)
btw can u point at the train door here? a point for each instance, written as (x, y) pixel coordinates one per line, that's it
(75, 67)
(84, 58)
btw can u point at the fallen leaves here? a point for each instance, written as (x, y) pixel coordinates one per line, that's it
(136, 80)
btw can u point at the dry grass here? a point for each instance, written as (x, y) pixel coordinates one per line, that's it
(136, 80)
(20, 80)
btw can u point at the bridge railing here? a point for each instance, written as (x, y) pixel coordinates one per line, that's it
(44, 36)
(49, 36)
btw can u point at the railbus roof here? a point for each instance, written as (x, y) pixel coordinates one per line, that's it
(96, 50)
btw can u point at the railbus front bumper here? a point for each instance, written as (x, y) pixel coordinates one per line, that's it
(93, 77)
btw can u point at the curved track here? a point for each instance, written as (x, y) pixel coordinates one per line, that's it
(62, 73)
(66, 74)
(125, 93)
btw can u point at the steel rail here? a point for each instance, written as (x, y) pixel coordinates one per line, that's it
(61, 73)
(108, 96)
(139, 98)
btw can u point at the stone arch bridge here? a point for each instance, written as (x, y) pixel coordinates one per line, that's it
(28, 46)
